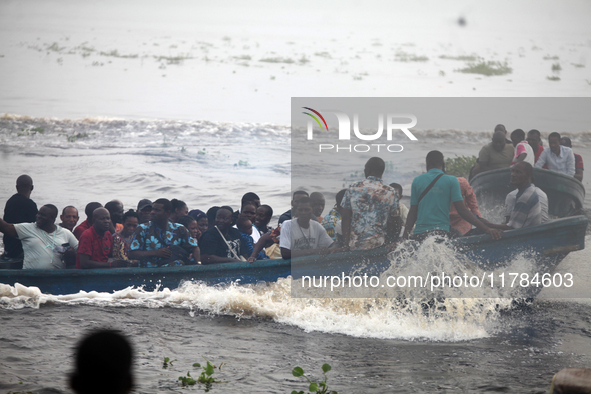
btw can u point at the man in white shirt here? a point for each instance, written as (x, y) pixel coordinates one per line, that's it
(558, 157)
(44, 243)
(302, 236)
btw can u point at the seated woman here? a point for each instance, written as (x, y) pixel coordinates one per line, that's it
(179, 209)
(122, 239)
(202, 221)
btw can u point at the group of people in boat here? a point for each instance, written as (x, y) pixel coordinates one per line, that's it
(502, 153)
(368, 214)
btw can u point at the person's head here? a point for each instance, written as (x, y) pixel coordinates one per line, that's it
(144, 209)
(498, 141)
(211, 215)
(554, 143)
(297, 195)
(375, 167)
(24, 185)
(223, 218)
(131, 220)
(521, 174)
(304, 209)
(318, 203)
(398, 188)
(249, 210)
(534, 139)
(566, 142)
(244, 225)
(190, 224)
(264, 215)
(252, 197)
(69, 217)
(101, 220)
(500, 128)
(46, 216)
(115, 208)
(103, 364)
(89, 210)
(517, 136)
(161, 209)
(435, 160)
(178, 210)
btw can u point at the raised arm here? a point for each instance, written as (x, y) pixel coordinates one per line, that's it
(8, 229)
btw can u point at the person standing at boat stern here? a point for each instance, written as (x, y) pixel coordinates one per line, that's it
(431, 196)
(19, 209)
(160, 243)
(369, 209)
(44, 243)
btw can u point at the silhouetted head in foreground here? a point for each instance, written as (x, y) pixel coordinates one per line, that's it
(103, 363)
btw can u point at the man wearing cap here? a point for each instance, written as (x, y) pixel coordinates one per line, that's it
(144, 208)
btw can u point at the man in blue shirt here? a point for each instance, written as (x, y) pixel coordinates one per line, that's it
(430, 210)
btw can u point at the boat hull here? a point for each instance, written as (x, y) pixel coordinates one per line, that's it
(548, 244)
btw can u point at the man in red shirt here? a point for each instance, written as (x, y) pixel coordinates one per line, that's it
(85, 225)
(534, 139)
(96, 244)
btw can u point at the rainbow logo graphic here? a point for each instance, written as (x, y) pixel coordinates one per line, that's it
(315, 118)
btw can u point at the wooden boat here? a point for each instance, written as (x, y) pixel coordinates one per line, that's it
(548, 243)
(565, 193)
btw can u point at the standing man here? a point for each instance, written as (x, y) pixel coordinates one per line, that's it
(160, 243)
(45, 245)
(19, 209)
(557, 157)
(431, 196)
(69, 217)
(497, 154)
(368, 207)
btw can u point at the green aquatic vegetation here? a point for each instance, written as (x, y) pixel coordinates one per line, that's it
(466, 58)
(548, 57)
(55, 47)
(459, 165)
(409, 57)
(553, 78)
(277, 60)
(115, 53)
(167, 362)
(556, 67)
(242, 163)
(30, 131)
(174, 59)
(205, 378)
(314, 387)
(243, 57)
(487, 68)
(578, 65)
(323, 54)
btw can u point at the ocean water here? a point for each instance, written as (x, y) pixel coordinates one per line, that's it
(135, 100)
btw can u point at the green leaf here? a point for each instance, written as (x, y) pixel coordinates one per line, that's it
(294, 392)
(209, 369)
(326, 368)
(313, 387)
(197, 365)
(297, 371)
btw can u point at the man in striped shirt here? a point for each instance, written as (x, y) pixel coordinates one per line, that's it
(527, 210)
